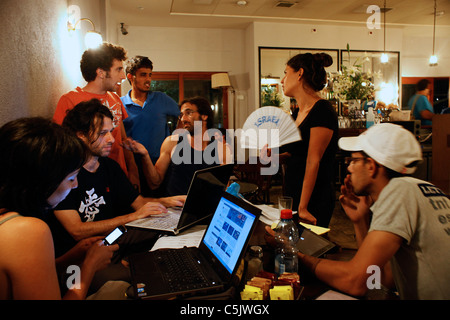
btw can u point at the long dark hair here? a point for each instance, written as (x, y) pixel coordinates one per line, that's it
(36, 155)
(313, 66)
(86, 118)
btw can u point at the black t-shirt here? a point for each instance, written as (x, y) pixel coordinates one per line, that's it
(104, 194)
(321, 115)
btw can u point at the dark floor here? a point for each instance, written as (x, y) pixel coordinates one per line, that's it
(341, 228)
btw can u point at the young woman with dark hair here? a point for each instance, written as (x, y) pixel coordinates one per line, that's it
(309, 176)
(39, 164)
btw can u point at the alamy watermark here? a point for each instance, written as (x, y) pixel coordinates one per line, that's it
(374, 21)
(74, 280)
(374, 280)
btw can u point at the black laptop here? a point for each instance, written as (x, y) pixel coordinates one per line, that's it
(169, 273)
(203, 196)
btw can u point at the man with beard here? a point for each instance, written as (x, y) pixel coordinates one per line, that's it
(104, 199)
(148, 112)
(187, 150)
(401, 223)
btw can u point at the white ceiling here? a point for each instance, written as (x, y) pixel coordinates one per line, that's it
(228, 14)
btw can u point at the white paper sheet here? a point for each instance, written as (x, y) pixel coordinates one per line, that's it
(188, 238)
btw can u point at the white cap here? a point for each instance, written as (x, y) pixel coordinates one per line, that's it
(388, 144)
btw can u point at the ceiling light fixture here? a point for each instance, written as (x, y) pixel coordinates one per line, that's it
(241, 3)
(384, 57)
(433, 59)
(92, 39)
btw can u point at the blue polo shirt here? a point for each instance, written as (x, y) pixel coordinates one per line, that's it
(148, 124)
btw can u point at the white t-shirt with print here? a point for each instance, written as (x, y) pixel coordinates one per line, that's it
(418, 212)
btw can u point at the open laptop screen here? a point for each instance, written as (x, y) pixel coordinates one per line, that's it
(204, 193)
(228, 232)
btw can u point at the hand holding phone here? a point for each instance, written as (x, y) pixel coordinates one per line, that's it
(114, 235)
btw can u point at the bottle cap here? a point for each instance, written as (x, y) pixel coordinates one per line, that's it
(256, 251)
(286, 214)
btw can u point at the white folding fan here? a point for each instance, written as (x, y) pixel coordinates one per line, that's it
(269, 125)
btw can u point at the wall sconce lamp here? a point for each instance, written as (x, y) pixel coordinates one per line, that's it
(92, 39)
(384, 56)
(433, 59)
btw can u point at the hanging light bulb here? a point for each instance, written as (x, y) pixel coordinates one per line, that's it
(433, 59)
(384, 57)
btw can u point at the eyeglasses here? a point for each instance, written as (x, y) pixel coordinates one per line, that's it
(187, 113)
(350, 160)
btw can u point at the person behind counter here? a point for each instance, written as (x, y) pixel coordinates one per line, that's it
(421, 108)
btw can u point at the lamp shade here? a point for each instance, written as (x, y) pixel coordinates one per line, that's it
(219, 80)
(93, 39)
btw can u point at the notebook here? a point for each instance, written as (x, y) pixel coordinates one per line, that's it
(208, 268)
(203, 196)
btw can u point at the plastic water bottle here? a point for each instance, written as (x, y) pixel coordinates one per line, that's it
(370, 120)
(286, 237)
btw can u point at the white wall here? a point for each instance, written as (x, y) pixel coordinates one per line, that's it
(40, 59)
(188, 49)
(417, 44)
(31, 57)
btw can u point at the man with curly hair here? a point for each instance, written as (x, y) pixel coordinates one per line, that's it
(103, 70)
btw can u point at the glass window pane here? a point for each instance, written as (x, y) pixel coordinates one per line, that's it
(202, 88)
(169, 87)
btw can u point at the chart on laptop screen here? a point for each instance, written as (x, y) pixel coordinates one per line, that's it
(228, 232)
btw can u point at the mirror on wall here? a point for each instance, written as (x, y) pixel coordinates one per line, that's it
(385, 75)
(272, 62)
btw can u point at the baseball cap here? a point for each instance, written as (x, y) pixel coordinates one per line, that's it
(388, 144)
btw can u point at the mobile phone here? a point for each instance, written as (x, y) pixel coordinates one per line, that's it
(114, 235)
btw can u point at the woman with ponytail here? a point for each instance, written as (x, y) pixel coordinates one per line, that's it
(310, 168)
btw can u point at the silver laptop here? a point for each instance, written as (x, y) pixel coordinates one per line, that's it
(203, 196)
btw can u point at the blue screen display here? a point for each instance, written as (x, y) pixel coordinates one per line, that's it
(228, 232)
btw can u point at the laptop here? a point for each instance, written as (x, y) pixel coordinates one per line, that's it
(203, 196)
(210, 268)
(312, 244)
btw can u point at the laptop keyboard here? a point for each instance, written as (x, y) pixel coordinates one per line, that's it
(168, 221)
(181, 272)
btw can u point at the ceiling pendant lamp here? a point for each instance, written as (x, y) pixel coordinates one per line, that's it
(433, 59)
